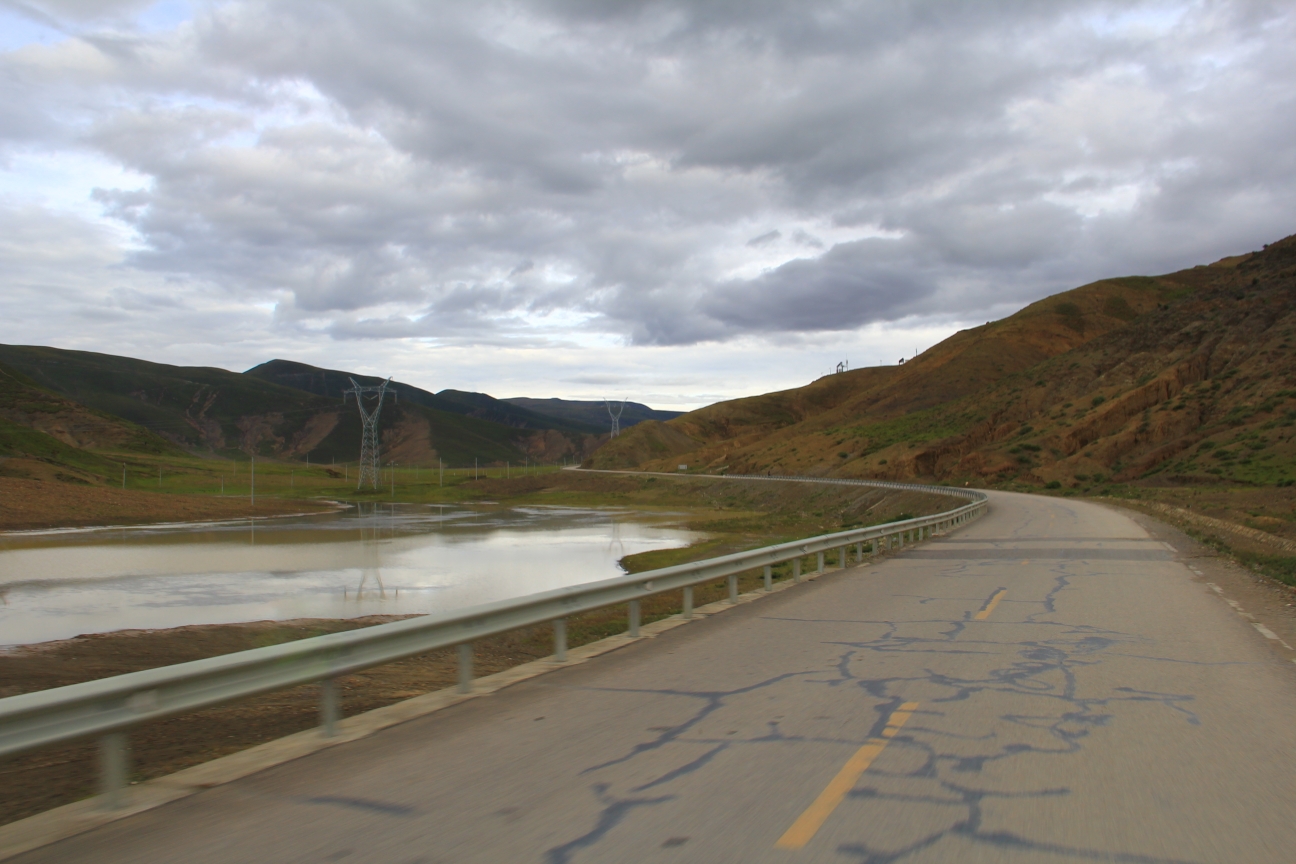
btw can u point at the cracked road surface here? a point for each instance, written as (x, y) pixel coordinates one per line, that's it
(1048, 684)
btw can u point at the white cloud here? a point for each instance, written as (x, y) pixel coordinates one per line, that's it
(620, 189)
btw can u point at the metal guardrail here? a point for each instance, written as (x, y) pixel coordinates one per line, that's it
(109, 706)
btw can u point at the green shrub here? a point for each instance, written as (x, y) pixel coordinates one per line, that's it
(1098, 400)
(1053, 484)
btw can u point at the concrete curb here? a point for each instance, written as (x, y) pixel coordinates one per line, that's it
(76, 818)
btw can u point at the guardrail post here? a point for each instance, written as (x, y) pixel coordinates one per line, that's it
(859, 552)
(465, 667)
(733, 588)
(769, 578)
(114, 758)
(820, 560)
(900, 539)
(841, 557)
(329, 708)
(796, 569)
(560, 639)
(688, 602)
(875, 546)
(634, 619)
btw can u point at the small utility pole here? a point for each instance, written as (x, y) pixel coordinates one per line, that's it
(252, 474)
(441, 473)
(123, 475)
(474, 467)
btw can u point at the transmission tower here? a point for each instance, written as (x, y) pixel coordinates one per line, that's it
(369, 435)
(616, 418)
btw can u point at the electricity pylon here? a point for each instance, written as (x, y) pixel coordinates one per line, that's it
(616, 418)
(369, 434)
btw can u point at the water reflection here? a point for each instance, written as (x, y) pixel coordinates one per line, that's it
(373, 559)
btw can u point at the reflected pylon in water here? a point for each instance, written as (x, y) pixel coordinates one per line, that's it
(366, 576)
(371, 574)
(616, 546)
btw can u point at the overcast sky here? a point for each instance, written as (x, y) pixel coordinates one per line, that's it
(675, 202)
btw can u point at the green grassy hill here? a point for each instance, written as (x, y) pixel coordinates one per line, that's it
(197, 408)
(46, 436)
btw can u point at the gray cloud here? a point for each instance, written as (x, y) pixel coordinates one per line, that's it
(460, 171)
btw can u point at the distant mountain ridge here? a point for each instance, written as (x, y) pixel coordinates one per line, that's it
(332, 383)
(593, 414)
(280, 409)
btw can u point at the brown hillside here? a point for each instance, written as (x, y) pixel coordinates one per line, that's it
(1121, 377)
(961, 365)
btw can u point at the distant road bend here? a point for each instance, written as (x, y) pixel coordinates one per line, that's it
(1047, 684)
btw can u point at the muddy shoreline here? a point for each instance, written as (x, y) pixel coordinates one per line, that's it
(40, 505)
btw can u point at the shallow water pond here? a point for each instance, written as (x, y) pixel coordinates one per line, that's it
(383, 559)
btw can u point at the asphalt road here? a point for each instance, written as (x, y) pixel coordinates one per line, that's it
(1049, 684)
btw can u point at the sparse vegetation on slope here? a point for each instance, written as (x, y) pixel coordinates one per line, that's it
(1183, 378)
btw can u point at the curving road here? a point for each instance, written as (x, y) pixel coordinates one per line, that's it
(1049, 684)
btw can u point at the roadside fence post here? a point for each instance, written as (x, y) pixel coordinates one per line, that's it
(733, 588)
(465, 667)
(560, 639)
(114, 759)
(329, 708)
(796, 569)
(820, 560)
(769, 578)
(688, 602)
(634, 619)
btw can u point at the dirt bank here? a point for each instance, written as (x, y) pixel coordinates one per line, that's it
(33, 504)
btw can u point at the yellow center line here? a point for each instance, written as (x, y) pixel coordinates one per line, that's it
(990, 607)
(809, 822)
